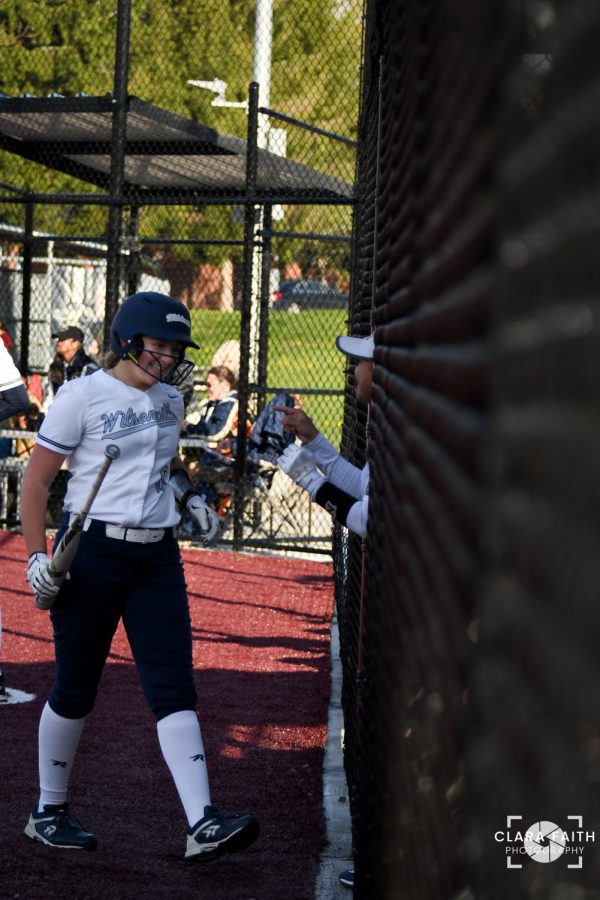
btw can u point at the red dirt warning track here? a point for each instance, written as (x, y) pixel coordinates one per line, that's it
(261, 654)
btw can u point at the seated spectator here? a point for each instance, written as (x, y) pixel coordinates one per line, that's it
(219, 413)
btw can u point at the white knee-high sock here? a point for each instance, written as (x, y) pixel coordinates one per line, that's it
(181, 744)
(57, 740)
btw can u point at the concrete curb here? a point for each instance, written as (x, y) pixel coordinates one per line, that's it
(337, 853)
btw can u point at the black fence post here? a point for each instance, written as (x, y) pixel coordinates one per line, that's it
(265, 290)
(27, 271)
(117, 167)
(243, 389)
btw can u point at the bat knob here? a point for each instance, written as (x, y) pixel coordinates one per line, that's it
(112, 451)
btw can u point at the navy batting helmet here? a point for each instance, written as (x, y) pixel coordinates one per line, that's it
(158, 316)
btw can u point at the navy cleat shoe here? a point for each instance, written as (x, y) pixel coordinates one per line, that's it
(58, 828)
(217, 833)
(347, 878)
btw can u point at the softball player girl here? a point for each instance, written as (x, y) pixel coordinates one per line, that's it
(127, 566)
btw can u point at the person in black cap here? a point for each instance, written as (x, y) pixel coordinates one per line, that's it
(70, 353)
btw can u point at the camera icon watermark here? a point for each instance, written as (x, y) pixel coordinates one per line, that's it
(544, 842)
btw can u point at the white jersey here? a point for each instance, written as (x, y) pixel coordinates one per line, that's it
(10, 376)
(90, 413)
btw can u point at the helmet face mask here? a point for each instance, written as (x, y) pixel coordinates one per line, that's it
(158, 316)
(133, 349)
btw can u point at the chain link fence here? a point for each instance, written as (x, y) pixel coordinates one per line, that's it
(174, 145)
(206, 151)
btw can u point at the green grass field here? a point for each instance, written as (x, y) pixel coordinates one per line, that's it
(302, 354)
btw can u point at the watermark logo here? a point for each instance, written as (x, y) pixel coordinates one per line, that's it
(545, 842)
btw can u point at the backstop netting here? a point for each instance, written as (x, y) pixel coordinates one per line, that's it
(470, 629)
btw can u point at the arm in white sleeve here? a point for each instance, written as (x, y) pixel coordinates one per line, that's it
(337, 470)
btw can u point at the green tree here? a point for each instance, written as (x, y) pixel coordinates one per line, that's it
(68, 46)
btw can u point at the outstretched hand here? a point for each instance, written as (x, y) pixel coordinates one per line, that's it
(299, 464)
(296, 421)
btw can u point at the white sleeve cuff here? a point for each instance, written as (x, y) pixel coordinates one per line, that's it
(324, 453)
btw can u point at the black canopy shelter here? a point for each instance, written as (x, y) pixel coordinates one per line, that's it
(167, 158)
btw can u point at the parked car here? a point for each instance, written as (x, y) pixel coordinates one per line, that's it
(299, 294)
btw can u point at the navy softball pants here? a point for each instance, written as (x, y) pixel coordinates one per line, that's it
(142, 584)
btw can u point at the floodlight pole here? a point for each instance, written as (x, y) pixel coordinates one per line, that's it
(261, 68)
(261, 76)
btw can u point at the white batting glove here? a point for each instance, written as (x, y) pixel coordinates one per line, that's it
(44, 586)
(299, 464)
(206, 519)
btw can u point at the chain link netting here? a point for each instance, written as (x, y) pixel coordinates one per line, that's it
(469, 625)
(135, 155)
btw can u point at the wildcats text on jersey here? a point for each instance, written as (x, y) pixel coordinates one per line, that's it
(130, 421)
